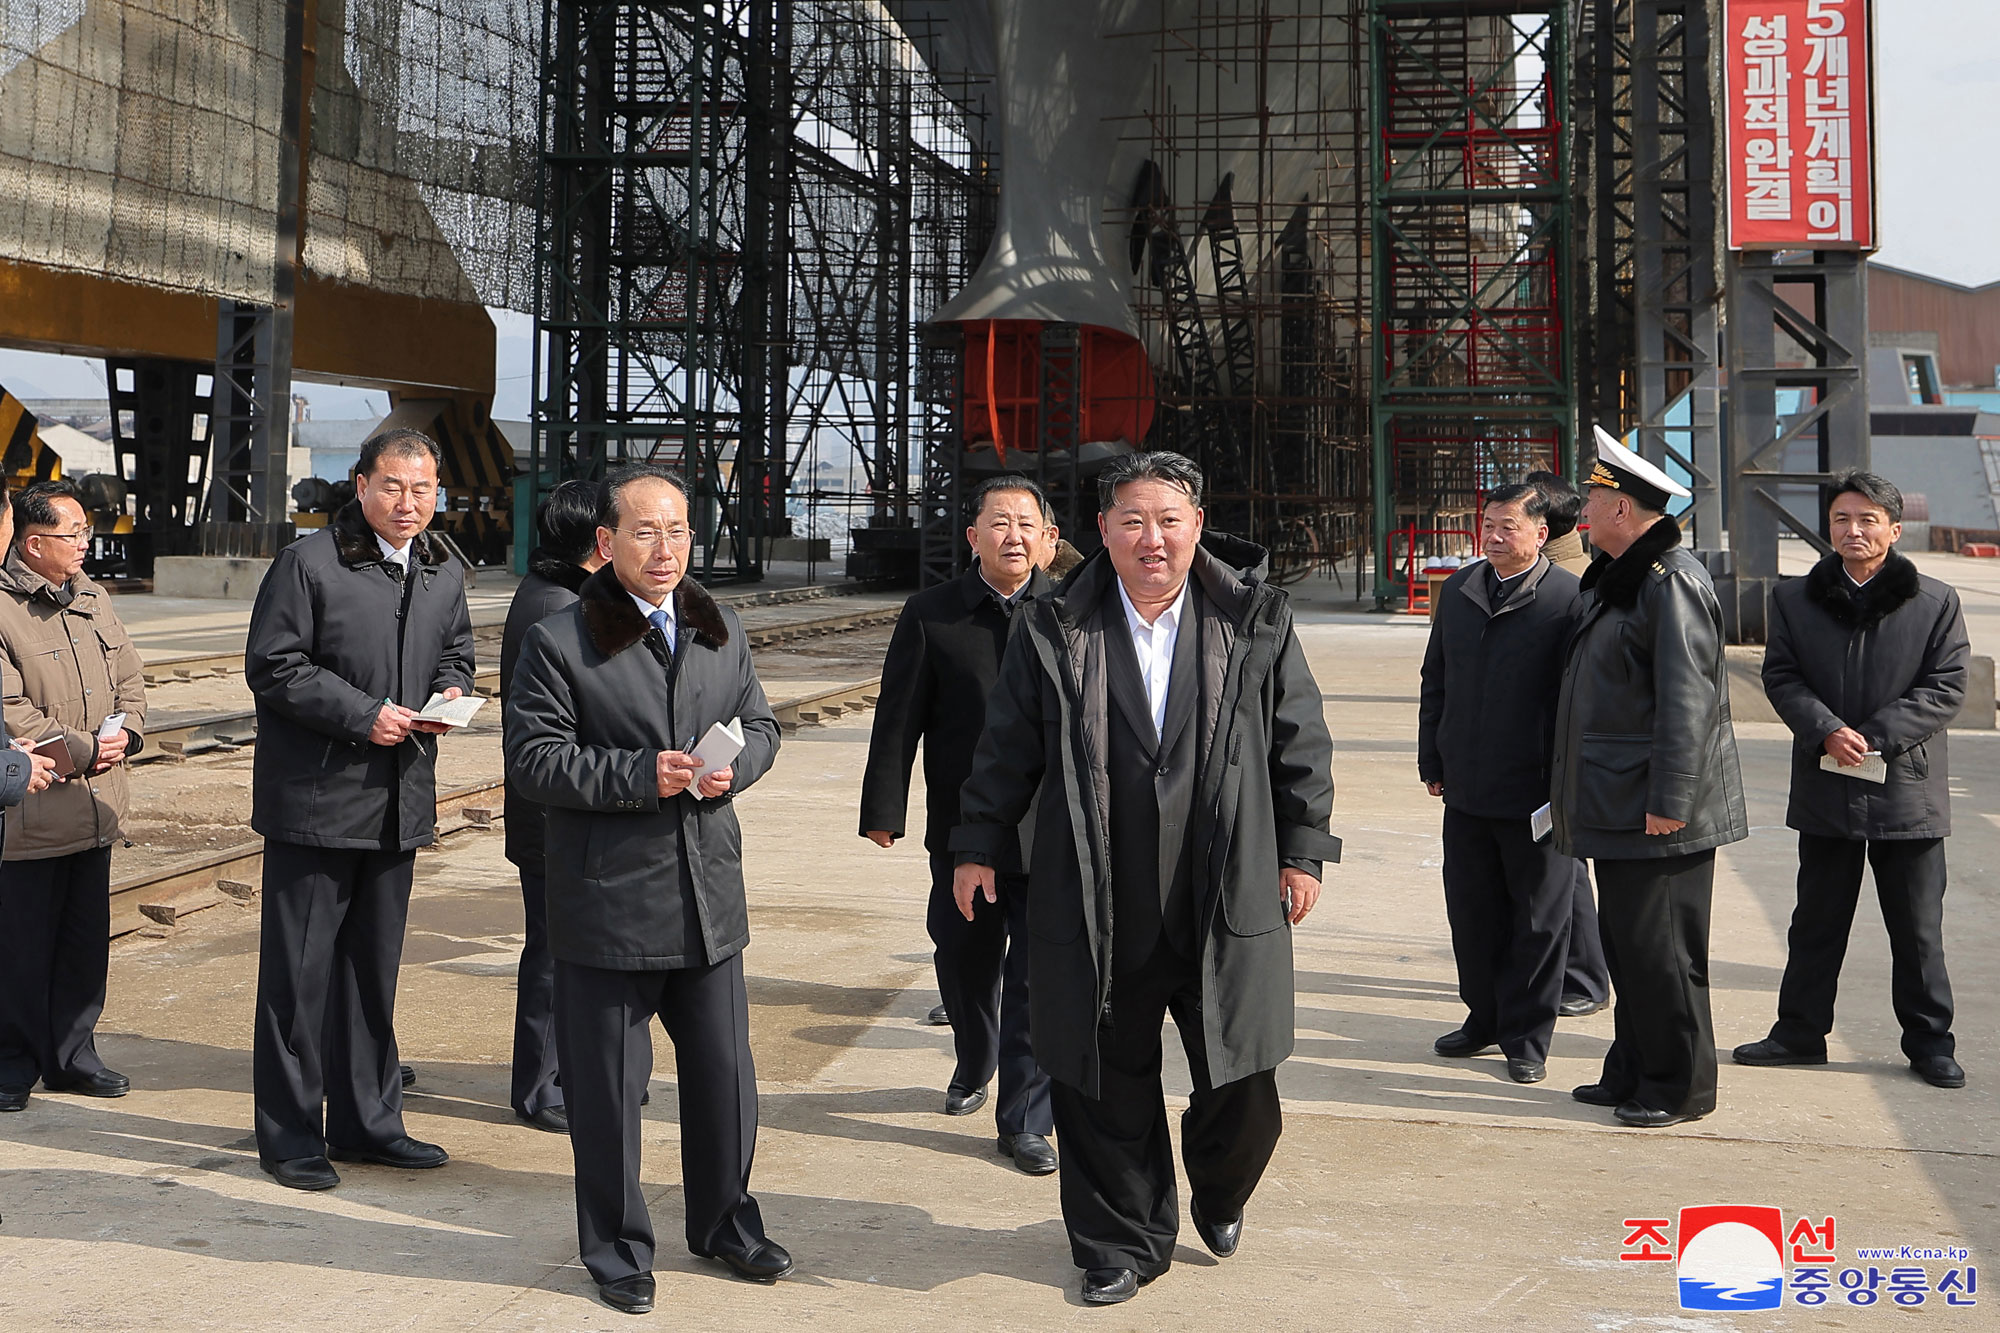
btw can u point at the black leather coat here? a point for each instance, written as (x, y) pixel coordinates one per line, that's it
(1643, 723)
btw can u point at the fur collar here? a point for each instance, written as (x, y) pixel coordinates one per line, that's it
(614, 622)
(1618, 581)
(356, 543)
(562, 573)
(1829, 588)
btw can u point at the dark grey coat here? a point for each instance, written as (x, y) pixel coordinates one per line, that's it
(550, 586)
(587, 718)
(1262, 801)
(1487, 718)
(1890, 660)
(332, 636)
(1643, 723)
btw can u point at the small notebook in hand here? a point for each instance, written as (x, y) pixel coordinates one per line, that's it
(56, 747)
(452, 712)
(719, 748)
(1873, 768)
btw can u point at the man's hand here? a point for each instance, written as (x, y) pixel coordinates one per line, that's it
(438, 728)
(392, 725)
(1300, 891)
(675, 769)
(1660, 825)
(881, 837)
(1848, 747)
(41, 770)
(111, 751)
(714, 784)
(1434, 788)
(968, 880)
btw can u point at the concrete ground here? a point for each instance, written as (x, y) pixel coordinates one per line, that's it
(1409, 1192)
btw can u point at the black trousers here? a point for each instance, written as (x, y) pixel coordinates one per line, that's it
(326, 999)
(1584, 972)
(536, 1086)
(1909, 883)
(604, 1032)
(1655, 916)
(1118, 1196)
(984, 984)
(1509, 900)
(55, 949)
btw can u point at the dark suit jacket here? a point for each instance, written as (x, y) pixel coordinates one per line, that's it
(550, 586)
(941, 666)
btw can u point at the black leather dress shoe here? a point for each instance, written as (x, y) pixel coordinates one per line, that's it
(1581, 1006)
(1526, 1071)
(1645, 1117)
(960, 1102)
(555, 1119)
(1460, 1042)
(1109, 1286)
(302, 1173)
(768, 1262)
(409, 1075)
(938, 1018)
(1769, 1052)
(1031, 1152)
(14, 1099)
(1596, 1094)
(103, 1083)
(1222, 1238)
(633, 1295)
(405, 1152)
(1940, 1071)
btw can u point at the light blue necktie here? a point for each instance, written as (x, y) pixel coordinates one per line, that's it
(665, 625)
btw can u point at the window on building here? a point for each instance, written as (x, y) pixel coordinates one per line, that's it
(1920, 376)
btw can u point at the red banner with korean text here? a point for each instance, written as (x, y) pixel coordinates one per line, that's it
(1799, 155)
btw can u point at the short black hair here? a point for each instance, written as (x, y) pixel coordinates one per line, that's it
(1011, 481)
(1520, 492)
(34, 506)
(399, 442)
(1159, 465)
(618, 478)
(1870, 486)
(1564, 505)
(566, 521)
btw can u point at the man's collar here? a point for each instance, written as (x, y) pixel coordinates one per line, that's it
(1137, 622)
(400, 554)
(1014, 596)
(647, 608)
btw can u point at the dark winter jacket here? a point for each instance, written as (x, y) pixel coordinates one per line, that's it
(636, 883)
(1890, 660)
(1643, 723)
(941, 665)
(335, 631)
(550, 586)
(1263, 798)
(1487, 721)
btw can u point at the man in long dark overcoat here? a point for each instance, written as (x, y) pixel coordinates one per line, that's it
(355, 627)
(1867, 660)
(647, 913)
(1179, 836)
(565, 555)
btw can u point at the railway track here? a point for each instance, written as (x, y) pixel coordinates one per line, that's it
(159, 899)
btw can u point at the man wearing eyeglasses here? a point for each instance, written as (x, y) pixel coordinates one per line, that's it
(355, 627)
(72, 675)
(643, 864)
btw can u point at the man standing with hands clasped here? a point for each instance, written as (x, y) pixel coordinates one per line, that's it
(1867, 662)
(1161, 706)
(355, 627)
(940, 668)
(646, 909)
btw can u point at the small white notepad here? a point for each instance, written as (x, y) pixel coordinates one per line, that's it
(452, 712)
(1873, 768)
(719, 748)
(1541, 823)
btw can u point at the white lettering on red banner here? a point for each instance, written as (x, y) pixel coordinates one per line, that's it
(1796, 77)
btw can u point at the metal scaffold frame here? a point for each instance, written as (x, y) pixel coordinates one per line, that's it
(1473, 356)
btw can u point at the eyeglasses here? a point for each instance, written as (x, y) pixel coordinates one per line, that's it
(654, 537)
(81, 537)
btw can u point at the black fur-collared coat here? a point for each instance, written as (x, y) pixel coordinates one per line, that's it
(1889, 659)
(335, 631)
(636, 883)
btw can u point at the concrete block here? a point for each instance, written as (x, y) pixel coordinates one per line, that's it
(232, 577)
(1747, 702)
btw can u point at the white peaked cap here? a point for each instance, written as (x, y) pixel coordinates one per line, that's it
(1617, 459)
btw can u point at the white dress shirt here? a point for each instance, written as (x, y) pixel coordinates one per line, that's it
(1154, 646)
(395, 555)
(647, 608)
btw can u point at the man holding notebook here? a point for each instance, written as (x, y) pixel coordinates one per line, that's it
(355, 629)
(634, 718)
(1867, 661)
